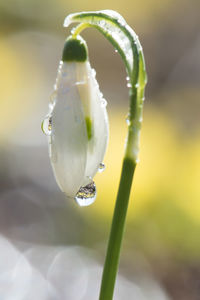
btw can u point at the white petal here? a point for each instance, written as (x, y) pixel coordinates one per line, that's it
(98, 143)
(76, 156)
(68, 141)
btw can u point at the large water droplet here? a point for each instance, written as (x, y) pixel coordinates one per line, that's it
(47, 125)
(101, 167)
(86, 195)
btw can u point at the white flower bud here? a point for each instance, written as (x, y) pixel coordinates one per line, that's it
(77, 128)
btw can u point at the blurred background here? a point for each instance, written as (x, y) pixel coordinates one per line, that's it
(51, 248)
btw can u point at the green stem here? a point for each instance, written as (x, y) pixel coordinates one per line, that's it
(77, 30)
(117, 230)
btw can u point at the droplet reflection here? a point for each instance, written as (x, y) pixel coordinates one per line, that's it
(101, 167)
(46, 125)
(86, 195)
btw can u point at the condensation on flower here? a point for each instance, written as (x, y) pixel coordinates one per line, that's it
(76, 126)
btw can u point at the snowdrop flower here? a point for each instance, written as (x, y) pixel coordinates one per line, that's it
(77, 124)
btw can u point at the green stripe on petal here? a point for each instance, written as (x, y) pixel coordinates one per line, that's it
(88, 122)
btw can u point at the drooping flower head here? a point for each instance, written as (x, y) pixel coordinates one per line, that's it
(77, 124)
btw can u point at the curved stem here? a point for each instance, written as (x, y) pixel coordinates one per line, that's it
(77, 30)
(117, 230)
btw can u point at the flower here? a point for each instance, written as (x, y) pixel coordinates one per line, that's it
(77, 124)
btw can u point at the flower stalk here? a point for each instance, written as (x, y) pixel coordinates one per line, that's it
(117, 230)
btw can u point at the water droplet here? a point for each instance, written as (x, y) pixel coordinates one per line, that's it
(140, 119)
(52, 152)
(73, 30)
(47, 125)
(128, 121)
(52, 101)
(51, 106)
(140, 48)
(101, 167)
(86, 195)
(93, 72)
(103, 103)
(121, 22)
(116, 50)
(129, 85)
(137, 85)
(60, 65)
(102, 23)
(127, 78)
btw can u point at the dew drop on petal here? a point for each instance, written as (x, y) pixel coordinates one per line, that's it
(103, 103)
(101, 167)
(52, 101)
(93, 73)
(86, 195)
(47, 125)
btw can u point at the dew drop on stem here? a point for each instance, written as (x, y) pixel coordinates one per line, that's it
(128, 122)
